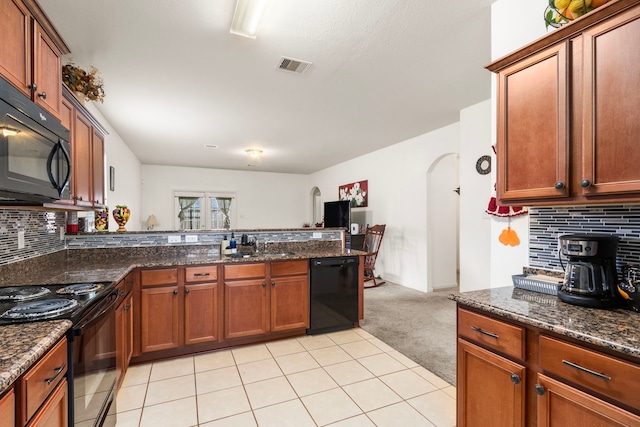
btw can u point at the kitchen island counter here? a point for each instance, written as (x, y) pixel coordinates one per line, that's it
(23, 344)
(616, 330)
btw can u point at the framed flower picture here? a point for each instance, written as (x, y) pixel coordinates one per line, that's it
(357, 193)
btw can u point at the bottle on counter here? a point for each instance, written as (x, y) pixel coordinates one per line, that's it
(224, 246)
(233, 244)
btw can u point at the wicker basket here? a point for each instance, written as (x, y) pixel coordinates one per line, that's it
(523, 282)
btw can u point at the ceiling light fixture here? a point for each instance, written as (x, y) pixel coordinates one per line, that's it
(253, 152)
(6, 131)
(247, 16)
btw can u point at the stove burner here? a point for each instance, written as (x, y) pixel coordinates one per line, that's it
(79, 289)
(44, 309)
(22, 293)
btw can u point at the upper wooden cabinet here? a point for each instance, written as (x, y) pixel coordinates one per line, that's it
(567, 118)
(30, 53)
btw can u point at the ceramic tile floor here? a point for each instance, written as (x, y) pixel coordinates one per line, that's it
(347, 379)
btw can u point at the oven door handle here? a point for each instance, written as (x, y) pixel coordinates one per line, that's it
(101, 312)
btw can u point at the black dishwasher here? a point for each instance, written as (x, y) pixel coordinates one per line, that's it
(334, 294)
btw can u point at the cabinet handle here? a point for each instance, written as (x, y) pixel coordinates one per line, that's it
(186, 291)
(33, 87)
(201, 275)
(264, 285)
(130, 283)
(559, 185)
(273, 283)
(585, 183)
(475, 328)
(588, 371)
(43, 95)
(539, 389)
(127, 307)
(175, 292)
(57, 373)
(515, 378)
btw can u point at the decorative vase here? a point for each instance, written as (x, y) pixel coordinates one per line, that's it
(101, 219)
(121, 214)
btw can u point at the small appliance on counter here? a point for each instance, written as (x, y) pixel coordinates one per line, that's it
(590, 278)
(629, 287)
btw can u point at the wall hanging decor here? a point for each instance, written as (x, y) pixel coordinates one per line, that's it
(357, 193)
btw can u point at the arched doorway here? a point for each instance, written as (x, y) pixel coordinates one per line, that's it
(316, 206)
(443, 260)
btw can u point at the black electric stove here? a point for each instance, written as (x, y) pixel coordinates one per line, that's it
(21, 304)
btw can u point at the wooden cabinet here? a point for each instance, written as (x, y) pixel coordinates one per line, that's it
(159, 316)
(124, 328)
(202, 321)
(8, 408)
(262, 298)
(87, 154)
(30, 53)
(567, 131)
(513, 375)
(42, 390)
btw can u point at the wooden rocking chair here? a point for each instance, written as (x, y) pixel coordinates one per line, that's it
(371, 245)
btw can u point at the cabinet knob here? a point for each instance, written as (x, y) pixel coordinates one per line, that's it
(559, 185)
(515, 378)
(585, 183)
(186, 291)
(264, 284)
(175, 292)
(33, 87)
(273, 283)
(539, 389)
(43, 95)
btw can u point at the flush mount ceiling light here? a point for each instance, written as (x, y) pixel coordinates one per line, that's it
(253, 152)
(6, 131)
(247, 16)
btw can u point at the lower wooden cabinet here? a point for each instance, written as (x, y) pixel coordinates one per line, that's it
(55, 411)
(159, 316)
(561, 405)
(491, 389)
(124, 337)
(550, 383)
(202, 321)
(8, 409)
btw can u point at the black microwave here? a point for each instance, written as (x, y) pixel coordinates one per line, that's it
(35, 162)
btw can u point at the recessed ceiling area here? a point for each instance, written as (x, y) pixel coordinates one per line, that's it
(176, 79)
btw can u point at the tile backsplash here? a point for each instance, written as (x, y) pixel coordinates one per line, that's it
(41, 229)
(547, 223)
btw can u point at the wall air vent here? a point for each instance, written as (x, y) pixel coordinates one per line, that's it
(293, 65)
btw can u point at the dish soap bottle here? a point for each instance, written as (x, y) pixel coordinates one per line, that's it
(224, 246)
(232, 244)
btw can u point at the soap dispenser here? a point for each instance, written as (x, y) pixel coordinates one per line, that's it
(224, 246)
(232, 244)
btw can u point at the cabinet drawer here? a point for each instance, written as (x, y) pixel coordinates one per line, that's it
(244, 271)
(159, 277)
(207, 273)
(286, 268)
(493, 334)
(603, 374)
(43, 377)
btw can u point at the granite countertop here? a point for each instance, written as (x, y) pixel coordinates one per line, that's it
(618, 330)
(24, 344)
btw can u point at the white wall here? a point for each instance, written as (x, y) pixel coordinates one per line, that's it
(264, 200)
(397, 178)
(508, 34)
(475, 224)
(128, 188)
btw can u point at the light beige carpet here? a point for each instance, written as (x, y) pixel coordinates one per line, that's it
(420, 325)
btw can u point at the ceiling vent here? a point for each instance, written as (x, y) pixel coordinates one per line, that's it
(293, 65)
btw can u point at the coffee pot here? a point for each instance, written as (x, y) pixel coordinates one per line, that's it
(590, 278)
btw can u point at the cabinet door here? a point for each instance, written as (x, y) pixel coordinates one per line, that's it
(159, 321)
(15, 49)
(533, 128)
(246, 308)
(289, 303)
(81, 151)
(490, 389)
(201, 313)
(560, 405)
(124, 337)
(611, 157)
(46, 72)
(54, 412)
(128, 330)
(8, 408)
(97, 154)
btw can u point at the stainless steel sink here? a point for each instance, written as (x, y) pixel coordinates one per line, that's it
(278, 255)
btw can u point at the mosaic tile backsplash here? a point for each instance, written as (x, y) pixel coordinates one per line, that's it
(41, 234)
(547, 223)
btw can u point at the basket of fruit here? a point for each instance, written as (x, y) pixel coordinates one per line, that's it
(559, 12)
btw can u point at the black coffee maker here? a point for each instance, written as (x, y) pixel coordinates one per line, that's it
(590, 278)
